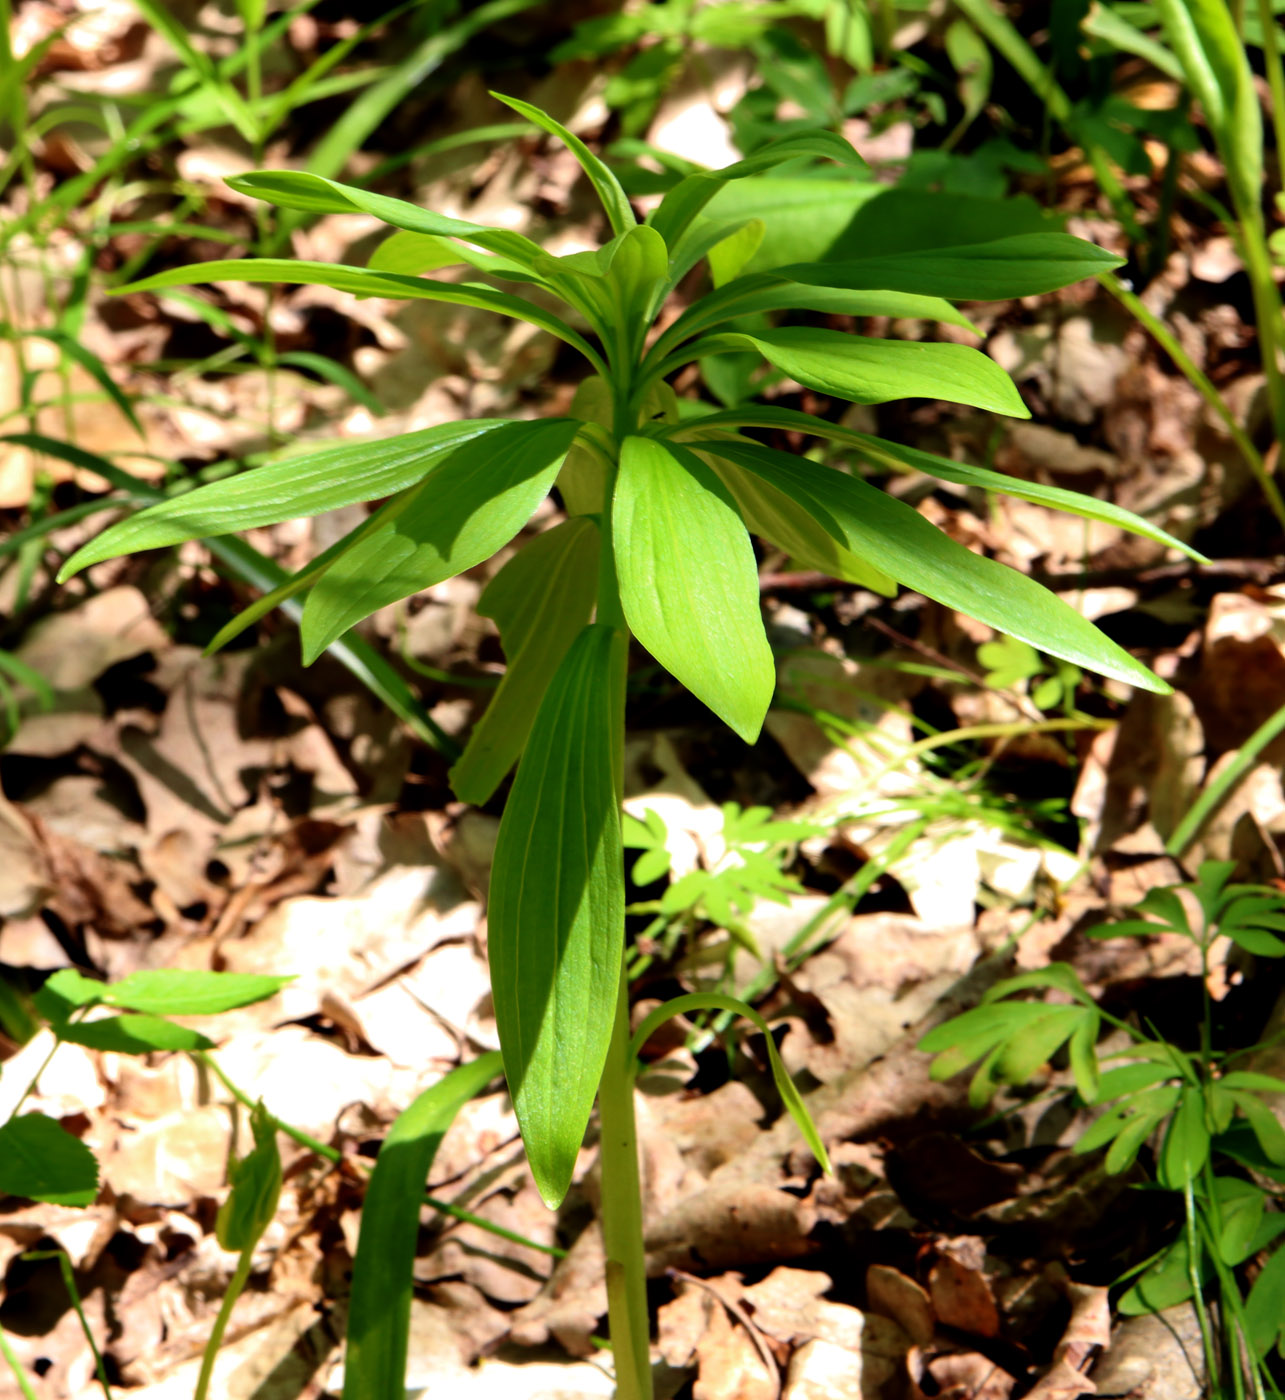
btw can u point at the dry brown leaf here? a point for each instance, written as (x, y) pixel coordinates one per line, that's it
(961, 1293)
(891, 1294)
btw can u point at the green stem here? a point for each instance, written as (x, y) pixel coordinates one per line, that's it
(19, 1374)
(1275, 76)
(239, 1280)
(1194, 1279)
(1199, 381)
(69, 1283)
(622, 1223)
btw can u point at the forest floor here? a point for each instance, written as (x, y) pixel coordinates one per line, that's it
(242, 813)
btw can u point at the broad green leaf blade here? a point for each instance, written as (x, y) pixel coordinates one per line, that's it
(1186, 1146)
(882, 452)
(689, 582)
(179, 992)
(474, 500)
(292, 486)
(540, 600)
(556, 923)
(362, 282)
(614, 200)
(1023, 265)
(774, 516)
(686, 200)
(40, 1160)
(897, 540)
(862, 370)
(1265, 1306)
(413, 253)
(785, 1086)
(382, 1283)
(1164, 1284)
(133, 1035)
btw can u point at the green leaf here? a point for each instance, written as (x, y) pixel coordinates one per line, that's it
(133, 1035)
(1251, 1079)
(412, 253)
(862, 370)
(292, 486)
(689, 582)
(614, 200)
(363, 282)
(1186, 1146)
(785, 1086)
(773, 516)
(1267, 1127)
(1025, 264)
(335, 373)
(897, 540)
(1166, 1282)
(41, 1161)
(1128, 1142)
(1240, 1213)
(474, 500)
(636, 275)
(1082, 1049)
(1126, 1079)
(256, 1188)
(883, 453)
(540, 600)
(686, 200)
(556, 920)
(727, 258)
(178, 992)
(378, 1334)
(1033, 1046)
(1265, 1306)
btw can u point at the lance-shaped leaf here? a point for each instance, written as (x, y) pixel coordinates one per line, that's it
(609, 190)
(774, 516)
(895, 455)
(1022, 265)
(897, 540)
(689, 582)
(556, 919)
(540, 600)
(364, 282)
(293, 486)
(685, 201)
(474, 500)
(862, 370)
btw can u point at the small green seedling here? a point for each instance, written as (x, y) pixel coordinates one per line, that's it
(661, 498)
(1211, 1133)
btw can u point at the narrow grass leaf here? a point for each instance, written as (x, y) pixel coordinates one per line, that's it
(378, 1334)
(335, 373)
(92, 366)
(897, 540)
(540, 600)
(473, 501)
(689, 582)
(40, 1160)
(556, 920)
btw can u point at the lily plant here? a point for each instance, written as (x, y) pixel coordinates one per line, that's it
(661, 498)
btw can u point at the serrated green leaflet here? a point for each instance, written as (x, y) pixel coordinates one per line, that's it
(862, 370)
(378, 1334)
(295, 485)
(688, 580)
(40, 1160)
(556, 920)
(898, 541)
(540, 601)
(474, 500)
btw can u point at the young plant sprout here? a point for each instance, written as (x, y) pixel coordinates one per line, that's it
(662, 497)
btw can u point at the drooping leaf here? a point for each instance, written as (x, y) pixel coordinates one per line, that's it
(1165, 1283)
(897, 540)
(689, 582)
(362, 281)
(378, 1334)
(473, 501)
(133, 1035)
(540, 600)
(862, 370)
(290, 487)
(256, 1188)
(556, 919)
(40, 1160)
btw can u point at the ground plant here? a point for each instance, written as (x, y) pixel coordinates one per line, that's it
(1201, 1118)
(662, 495)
